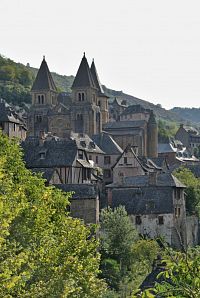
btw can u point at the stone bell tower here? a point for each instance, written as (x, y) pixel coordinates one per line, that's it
(152, 136)
(44, 97)
(86, 114)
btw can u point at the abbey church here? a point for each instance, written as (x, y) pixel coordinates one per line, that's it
(86, 110)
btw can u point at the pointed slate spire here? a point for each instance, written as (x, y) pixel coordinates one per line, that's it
(83, 77)
(44, 80)
(96, 77)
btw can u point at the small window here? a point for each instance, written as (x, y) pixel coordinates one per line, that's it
(79, 96)
(42, 155)
(138, 220)
(90, 157)
(107, 160)
(14, 126)
(92, 145)
(160, 220)
(38, 118)
(42, 99)
(83, 144)
(80, 154)
(125, 160)
(107, 173)
(39, 99)
(83, 96)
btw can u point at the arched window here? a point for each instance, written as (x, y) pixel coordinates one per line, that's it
(39, 99)
(83, 96)
(79, 96)
(42, 99)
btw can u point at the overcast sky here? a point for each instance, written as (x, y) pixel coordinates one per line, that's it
(147, 48)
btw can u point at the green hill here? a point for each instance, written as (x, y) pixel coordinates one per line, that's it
(16, 80)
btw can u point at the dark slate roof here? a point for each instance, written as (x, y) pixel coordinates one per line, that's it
(9, 114)
(81, 191)
(160, 162)
(47, 173)
(163, 179)
(125, 124)
(84, 142)
(44, 80)
(96, 78)
(57, 153)
(135, 109)
(147, 200)
(107, 144)
(166, 148)
(119, 102)
(83, 77)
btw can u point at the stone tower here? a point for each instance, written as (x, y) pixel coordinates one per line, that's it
(85, 112)
(152, 136)
(44, 97)
(102, 98)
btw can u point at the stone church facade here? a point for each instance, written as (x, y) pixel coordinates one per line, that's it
(86, 111)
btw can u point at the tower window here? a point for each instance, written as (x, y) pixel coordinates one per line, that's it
(42, 99)
(38, 118)
(81, 96)
(39, 99)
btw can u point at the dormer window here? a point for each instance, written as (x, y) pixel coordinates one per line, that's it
(83, 144)
(42, 155)
(92, 145)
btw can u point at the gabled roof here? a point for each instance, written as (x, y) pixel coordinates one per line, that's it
(44, 80)
(107, 143)
(133, 109)
(80, 191)
(47, 173)
(83, 77)
(57, 152)
(84, 142)
(163, 179)
(125, 124)
(9, 114)
(96, 77)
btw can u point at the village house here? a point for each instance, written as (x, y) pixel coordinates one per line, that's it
(11, 123)
(156, 205)
(62, 162)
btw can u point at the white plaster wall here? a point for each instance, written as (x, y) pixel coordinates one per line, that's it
(152, 229)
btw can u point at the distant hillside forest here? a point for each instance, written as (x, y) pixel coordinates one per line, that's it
(190, 114)
(16, 80)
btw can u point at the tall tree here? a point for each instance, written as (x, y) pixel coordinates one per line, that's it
(43, 251)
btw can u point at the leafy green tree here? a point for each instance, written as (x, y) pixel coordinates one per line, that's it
(118, 235)
(192, 191)
(181, 278)
(43, 251)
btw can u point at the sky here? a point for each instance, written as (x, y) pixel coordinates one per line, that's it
(147, 48)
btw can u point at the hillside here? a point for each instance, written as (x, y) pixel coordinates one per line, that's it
(190, 114)
(16, 80)
(160, 112)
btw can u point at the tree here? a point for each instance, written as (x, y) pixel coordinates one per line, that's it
(181, 278)
(43, 251)
(118, 235)
(192, 191)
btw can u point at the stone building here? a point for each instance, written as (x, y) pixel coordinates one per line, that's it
(156, 205)
(85, 112)
(116, 108)
(142, 133)
(111, 150)
(189, 136)
(65, 164)
(11, 123)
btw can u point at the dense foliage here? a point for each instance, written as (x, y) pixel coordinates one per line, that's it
(43, 251)
(181, 277)
(166, 130)
(126, 259)
(192, 191)
(16, 80)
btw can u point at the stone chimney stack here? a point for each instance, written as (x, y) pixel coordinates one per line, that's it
(153, 178)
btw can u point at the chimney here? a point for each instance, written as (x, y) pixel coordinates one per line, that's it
(153, 178)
